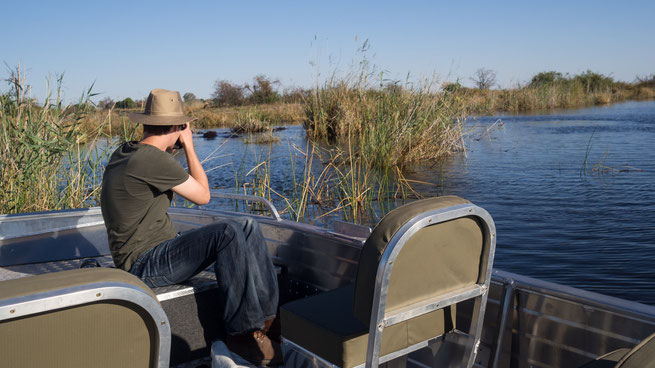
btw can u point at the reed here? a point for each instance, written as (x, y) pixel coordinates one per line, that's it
(264, 138)
(45, 163)
(389, 126)
(324, 183)
(250, 121)
(226, 117)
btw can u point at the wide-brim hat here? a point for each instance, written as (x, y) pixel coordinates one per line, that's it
(163, 107)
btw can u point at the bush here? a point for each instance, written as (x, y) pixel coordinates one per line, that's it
(127, 103)
(262, 92)
(189, 97)
(594, 82)
(546, 78)
(227, 94)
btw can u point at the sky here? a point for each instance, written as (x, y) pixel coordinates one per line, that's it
(127, 48)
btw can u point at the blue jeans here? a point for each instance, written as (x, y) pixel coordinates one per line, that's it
(247, 281)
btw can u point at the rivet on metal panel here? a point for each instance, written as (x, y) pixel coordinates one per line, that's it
(163, 323)
(98, 295)
(12, 311)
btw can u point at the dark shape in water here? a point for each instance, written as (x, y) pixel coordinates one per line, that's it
(277, 129)
(210, 134)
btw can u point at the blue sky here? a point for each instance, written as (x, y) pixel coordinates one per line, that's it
(129, 48)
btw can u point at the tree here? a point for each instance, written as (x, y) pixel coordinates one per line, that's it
(484, 78)
(188, 97)
(127, 103)
(106, 103)
(261, 91)
(227, 94)
(546, 78)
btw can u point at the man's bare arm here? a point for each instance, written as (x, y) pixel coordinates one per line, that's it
(196, 187)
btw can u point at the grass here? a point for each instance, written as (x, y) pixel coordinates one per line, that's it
(227, 117)
(45, 163)
(264, 138)
(387, 126)
(586, 89)
(320, 184)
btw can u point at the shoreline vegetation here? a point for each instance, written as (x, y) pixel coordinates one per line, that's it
(363, 129)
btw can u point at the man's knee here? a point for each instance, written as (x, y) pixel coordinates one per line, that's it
(248, 225)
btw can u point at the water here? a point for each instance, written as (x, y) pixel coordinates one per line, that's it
(588, 225)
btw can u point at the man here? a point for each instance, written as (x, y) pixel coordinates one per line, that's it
(137, 189)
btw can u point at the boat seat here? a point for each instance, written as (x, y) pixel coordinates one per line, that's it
(441, 251)
(92, 317)
(641, 356)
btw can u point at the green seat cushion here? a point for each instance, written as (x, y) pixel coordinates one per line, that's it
(65, 279)
(325, 325)
(104, 333)
(435, 260)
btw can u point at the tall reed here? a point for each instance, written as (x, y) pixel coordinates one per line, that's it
(45, 164)
(325, 183)
(388, 125)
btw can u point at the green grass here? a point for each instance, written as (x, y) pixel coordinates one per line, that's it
(387, 126)
(45, 165)
(51, 154)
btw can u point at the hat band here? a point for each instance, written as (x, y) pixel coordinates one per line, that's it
(164, 113)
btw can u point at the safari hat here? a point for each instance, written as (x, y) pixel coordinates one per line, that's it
(163, 107)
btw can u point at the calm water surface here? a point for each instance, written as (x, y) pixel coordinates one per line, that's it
(585, 225)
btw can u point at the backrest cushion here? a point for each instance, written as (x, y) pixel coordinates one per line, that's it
(106, 333)
(437, 259)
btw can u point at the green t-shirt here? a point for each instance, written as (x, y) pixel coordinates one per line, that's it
(136, 193)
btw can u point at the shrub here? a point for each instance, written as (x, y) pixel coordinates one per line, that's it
(189, 97)
(262, 92)
(227, 94)
(546, 78)
(127, 103)
(594, 82)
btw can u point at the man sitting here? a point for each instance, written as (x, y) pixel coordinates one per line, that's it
(137, 189)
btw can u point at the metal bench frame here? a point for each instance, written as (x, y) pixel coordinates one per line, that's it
(49, 301)
(380, 319)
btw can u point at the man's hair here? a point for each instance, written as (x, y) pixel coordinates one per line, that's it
(157, 129)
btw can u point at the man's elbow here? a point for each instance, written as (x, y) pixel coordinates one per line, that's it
(204, 199)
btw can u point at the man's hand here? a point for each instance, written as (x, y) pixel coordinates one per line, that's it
(186, 137)
(196, 188)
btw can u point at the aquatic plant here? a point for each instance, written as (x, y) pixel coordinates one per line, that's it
(322, 183)
(45, 163)
(276, 114)
(388, 125)
(263, 138)
(250, 121)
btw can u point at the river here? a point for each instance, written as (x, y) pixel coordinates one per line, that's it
(572, 192)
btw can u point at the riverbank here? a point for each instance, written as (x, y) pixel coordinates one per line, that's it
(551, 90)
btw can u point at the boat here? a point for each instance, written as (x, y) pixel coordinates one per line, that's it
(63, 304)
